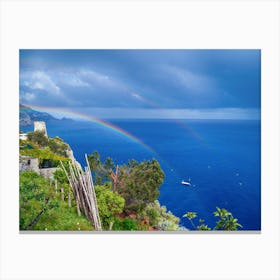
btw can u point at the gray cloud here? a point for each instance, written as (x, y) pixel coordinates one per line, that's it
(143, 79)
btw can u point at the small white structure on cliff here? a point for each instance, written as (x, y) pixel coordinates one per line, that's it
(40, 126)
(23, 136)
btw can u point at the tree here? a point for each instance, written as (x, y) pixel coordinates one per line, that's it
(158, 217)
(94, 161)
(138, 183)
(38, 137)
(109, 164)
(109, 205)
(101, 171)
(58, 146)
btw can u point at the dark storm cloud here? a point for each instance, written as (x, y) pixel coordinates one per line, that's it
(141, 79)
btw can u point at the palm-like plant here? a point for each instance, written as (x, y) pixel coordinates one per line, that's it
(190, 216)
(203, 227)
(227, 221)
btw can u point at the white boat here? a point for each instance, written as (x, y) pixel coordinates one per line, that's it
(185, 183)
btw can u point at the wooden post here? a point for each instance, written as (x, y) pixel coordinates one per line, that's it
(71, 180)
(84, 193)
(74, 186)
(62, 194)
(111, 225)
(69, 198)
(91, 186)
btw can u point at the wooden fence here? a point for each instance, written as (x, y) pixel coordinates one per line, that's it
(83, 190)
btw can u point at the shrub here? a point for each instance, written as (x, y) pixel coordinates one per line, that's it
(125, 224)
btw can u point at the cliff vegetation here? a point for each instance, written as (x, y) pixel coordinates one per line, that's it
(127, 195)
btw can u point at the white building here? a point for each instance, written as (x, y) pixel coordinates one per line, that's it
(40, 126)
(23, 136)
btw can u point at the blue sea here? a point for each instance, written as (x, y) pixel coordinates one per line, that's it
(220, 158)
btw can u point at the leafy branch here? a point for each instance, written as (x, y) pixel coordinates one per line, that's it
(226, 221)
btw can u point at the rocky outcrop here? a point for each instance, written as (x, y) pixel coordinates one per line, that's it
(27, 116)
(28, 163)
(70, 155)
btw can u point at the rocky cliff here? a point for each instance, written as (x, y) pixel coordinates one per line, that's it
(27, 116)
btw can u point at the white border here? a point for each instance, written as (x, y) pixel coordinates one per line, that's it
(140, 24)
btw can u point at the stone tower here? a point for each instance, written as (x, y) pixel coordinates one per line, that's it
(40, 126)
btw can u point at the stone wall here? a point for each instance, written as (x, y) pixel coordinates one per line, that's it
(48, 172)
(27, 163)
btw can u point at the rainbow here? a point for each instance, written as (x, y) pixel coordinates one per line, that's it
(187, 128)
(97, 121)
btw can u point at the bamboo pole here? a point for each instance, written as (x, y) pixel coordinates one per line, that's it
(69, 198)
(83, 190)
(99, 227)
(90, 194)
(73, 189)
(86, 201)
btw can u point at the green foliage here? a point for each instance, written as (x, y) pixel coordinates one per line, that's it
(63, 218)
(42, 209)
(36, 198)
(159, 218)
(26, 144)
(94, 160)
(62, 181)
(60, 176)
(101, 170)
(226, 220)
(49, 151)
(109, 205)
(38, 137)
(109, 163)
(125, 224)
(57, 146)
(190, 216)
(96, 166)
(46, 157)
(138, 183)
(203, 227)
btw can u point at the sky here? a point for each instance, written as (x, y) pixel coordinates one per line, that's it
(204, 84)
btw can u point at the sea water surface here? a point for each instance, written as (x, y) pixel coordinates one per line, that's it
(221, 159)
